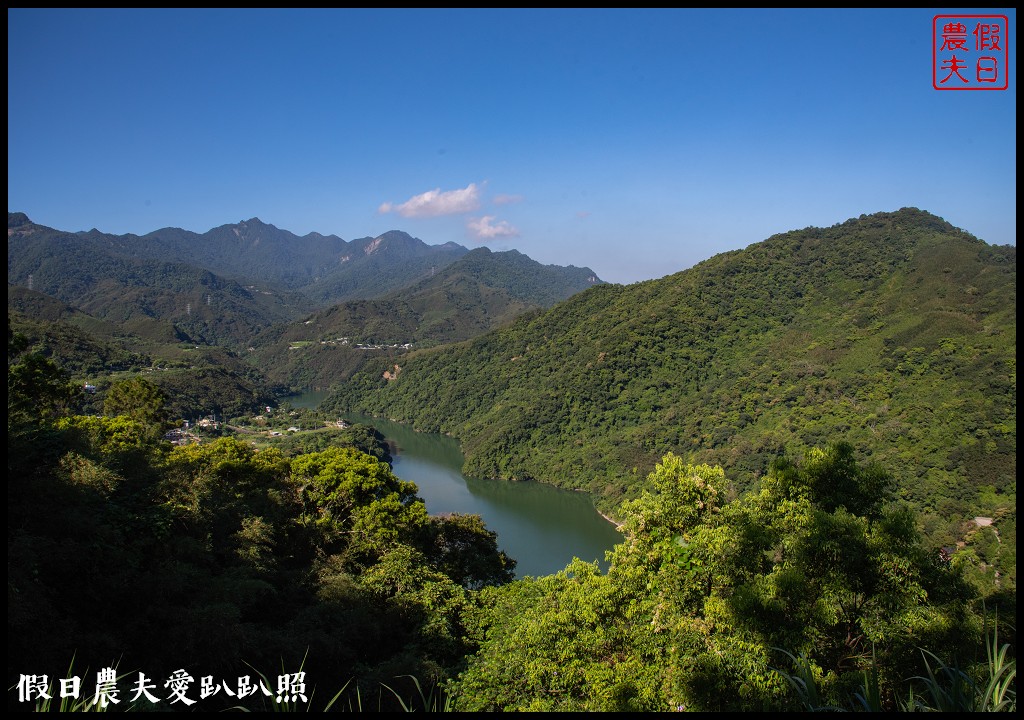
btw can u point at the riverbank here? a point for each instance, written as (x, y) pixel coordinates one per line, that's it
(613, 521)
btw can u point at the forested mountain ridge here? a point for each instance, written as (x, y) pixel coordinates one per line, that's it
(324, 268)
(110, 277)
(75, 341)
(196, 380)
(894, 331)
(478, 292)
(225, 286)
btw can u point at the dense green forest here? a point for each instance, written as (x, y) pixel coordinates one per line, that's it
(223, 561)
(195, 380)
(796, 439)
(895, 332)
(123, 549)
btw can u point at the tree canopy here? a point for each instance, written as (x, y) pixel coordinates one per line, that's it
(706, 599)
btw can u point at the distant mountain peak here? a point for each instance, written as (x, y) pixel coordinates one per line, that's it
(254, 224)
(17, 219)
(325, 268)
(396, 235)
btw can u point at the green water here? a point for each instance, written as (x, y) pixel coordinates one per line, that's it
(541, 526)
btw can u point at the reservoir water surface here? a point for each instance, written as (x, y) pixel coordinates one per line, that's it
(542, 527)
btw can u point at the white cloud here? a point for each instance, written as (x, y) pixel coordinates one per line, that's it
(434, 202)
(484, 228)
(507, 199)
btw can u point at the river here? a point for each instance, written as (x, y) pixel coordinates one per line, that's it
(542, 527)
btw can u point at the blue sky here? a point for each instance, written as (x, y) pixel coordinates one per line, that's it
(633, 142)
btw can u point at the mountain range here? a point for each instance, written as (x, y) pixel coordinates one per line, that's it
(325, 268)
(224, 286)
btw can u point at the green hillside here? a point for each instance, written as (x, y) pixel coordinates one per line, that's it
(196, 380)
(481, 291)
(895, 332)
